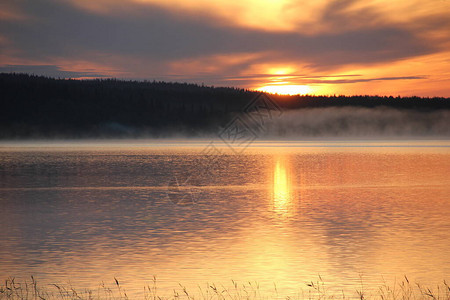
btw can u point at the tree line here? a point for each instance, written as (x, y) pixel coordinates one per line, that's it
(41, 107)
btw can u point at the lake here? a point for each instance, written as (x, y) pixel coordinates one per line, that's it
(192, 213)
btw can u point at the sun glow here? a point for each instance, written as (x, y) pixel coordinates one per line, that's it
(286, 89)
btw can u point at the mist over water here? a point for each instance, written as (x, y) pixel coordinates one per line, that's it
(379, 122)
(321, 123)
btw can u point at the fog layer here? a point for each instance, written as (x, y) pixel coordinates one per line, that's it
(358, 122)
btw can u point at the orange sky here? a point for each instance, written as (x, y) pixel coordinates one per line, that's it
(318, 47)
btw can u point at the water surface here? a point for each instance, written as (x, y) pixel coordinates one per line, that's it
(276, 212)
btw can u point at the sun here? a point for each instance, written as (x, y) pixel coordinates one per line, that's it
(286, 89)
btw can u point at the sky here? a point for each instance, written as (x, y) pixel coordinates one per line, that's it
(322, 47)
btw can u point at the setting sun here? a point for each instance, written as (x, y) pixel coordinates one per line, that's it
(286, 89)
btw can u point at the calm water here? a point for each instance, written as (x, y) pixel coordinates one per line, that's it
(276, 213)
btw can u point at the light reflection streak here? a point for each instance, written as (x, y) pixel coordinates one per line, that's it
(281, 186)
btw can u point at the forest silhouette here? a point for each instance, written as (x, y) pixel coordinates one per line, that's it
(41, 107)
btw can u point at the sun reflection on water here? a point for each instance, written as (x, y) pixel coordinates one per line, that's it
(281, 186)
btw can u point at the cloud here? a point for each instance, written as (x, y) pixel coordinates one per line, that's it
(314, 80)
(47, 70)
(63, 29)
(148, 40)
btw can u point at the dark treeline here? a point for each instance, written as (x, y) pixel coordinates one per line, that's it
(41, 107)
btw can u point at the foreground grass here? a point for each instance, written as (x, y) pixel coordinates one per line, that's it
(404, 290)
